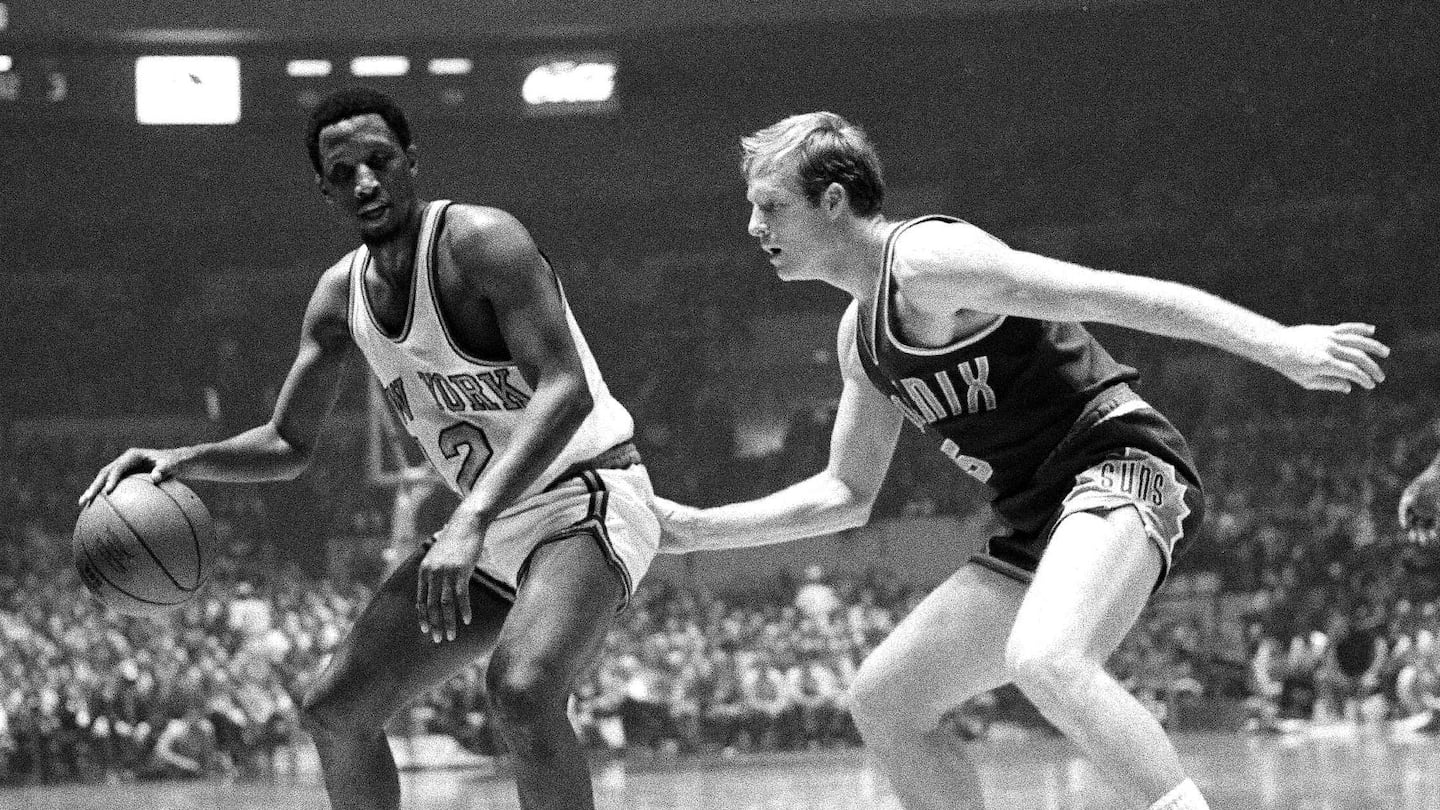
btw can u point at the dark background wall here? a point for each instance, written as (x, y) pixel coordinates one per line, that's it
(1184, 141)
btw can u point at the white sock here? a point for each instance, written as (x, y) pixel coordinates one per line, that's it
(1185, 796)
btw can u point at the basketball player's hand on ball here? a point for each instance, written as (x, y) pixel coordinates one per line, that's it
(1330, 358)
(160, 464)
(1420, 506)
(442, 589)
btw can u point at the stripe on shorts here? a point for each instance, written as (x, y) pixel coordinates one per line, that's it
(599, 508)
(593, 524)
(497, 586)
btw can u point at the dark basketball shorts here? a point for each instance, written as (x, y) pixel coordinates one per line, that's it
(1121, 453)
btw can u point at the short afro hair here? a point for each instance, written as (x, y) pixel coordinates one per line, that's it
(348, 103)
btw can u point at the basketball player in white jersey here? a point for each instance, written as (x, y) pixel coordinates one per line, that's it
(982, 348)
(467, 330)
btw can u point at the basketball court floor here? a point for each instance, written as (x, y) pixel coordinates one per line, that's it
(1335, 770)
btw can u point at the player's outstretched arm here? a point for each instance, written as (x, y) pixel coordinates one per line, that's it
(282, 447)
(958, 266)
(839, 497)
(1420, 505)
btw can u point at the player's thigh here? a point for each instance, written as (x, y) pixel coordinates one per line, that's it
(1092, 582)
(949, 648)
(563, 608)
(385, 660)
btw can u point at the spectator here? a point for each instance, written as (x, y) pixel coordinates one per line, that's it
(816, 598)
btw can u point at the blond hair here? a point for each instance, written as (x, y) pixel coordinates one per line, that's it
(822, 148)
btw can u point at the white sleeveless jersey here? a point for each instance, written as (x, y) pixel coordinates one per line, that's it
(463, 410)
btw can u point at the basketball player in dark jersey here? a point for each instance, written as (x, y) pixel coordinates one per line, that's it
(980, 346)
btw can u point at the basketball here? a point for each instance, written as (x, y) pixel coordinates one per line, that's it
(144, 548)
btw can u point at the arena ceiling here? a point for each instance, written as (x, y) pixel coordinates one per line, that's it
(225, 21)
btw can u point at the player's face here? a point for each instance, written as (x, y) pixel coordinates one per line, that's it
(367, 175)
(790, 228)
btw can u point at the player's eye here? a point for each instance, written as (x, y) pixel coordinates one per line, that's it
(341, 173)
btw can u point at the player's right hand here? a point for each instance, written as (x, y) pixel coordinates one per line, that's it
(1420, 507)
(1330, 358)
(677, 534)
(158, 463)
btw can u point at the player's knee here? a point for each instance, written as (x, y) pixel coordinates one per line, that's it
(522, 689)
(1050, 673)
(528, 701)
(879, 708)
(327, 714)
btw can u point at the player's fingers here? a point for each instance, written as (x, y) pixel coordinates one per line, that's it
(160, 471)
(1326, 383)
(128, 462)
(1362, 359)
(94, 489)
(420, 601)
(112, 478)
(462, 597)
(1356, 366)
(1355, 328)
(1341, 367)
(1366, 344)
(447, 606)
(433, 589)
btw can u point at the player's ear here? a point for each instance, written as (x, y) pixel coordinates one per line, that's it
(834, 199)
(412, 154)
(324, 189)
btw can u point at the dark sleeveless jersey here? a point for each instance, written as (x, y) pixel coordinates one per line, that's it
(998, 401)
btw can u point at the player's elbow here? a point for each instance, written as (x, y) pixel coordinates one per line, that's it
(859, 513)
(853, 504)
(575, 401)
(289, 458)
(290, 466)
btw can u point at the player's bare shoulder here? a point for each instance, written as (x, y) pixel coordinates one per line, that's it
(328, 314)
(937, 261)
(942, 247)
(484, 238)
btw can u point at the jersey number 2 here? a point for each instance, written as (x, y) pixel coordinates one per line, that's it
(465, 437)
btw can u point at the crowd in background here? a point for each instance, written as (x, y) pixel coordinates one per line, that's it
(1298, 606)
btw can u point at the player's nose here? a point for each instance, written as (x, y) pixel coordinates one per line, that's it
(365, 181)
(756, 228)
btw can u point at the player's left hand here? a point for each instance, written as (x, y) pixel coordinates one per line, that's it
(442, 588)
(1331, 358)
(1420, 507)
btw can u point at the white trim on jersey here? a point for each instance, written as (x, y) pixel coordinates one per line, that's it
(880, 311)
(463, 410)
